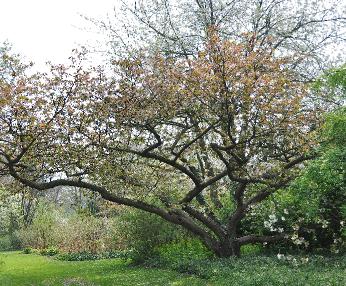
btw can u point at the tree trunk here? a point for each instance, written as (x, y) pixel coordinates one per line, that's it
(227, 248)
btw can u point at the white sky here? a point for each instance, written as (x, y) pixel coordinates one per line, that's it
(43, 30)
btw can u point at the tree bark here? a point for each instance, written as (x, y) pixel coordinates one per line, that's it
(227, 248)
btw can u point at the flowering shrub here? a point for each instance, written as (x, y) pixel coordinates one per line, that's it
(53, 229)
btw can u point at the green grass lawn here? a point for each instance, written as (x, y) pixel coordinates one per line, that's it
(19, 269)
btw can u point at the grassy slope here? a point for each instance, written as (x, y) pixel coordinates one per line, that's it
(26, 269)
(19, 269)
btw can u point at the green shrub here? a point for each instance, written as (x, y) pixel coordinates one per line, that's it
(84, 255)
(5, 243)
(27, 250)
(50, 251)
(141, 234)
(320, 191)
(9, 241)
(78, 256)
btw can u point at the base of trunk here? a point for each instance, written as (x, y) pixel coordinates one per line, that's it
(228, 249)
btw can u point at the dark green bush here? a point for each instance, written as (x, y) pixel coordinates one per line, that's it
(27, 250)
(84, 255)
(5, 243)
(78, 256)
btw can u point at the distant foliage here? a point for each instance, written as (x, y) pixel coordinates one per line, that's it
(10, 220)
(321, 190)
(42, 233)
(52, 230)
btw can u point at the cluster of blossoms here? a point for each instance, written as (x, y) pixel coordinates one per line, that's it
(323, 222)
(293, 260)
(297, 240)
(270, 223)
(337, 244)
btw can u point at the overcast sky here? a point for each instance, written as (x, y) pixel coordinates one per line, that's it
(44, 30)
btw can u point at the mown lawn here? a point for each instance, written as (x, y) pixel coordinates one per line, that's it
(18, 269)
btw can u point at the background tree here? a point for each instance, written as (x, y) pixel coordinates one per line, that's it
(180, 28)
(322, 184)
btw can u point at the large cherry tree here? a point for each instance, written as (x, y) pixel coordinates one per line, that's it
(197, 141)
